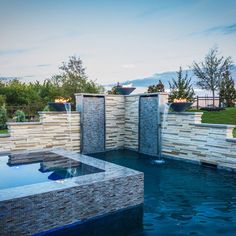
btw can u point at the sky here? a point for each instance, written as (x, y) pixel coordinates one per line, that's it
(116, 40)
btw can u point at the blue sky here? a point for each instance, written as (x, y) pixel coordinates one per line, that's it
(117, 40)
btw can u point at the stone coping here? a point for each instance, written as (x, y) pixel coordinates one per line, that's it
(5, 135)
(24, 123)
(57, 112)
(185, 113)
(111, 171)
(115, 95)
(232, 140)
(219, 126)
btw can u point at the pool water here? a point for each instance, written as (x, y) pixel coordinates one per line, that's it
(20, 170)
(182, 198)
(179, 199)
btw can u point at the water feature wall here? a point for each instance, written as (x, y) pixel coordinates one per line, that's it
(149, 125)
(121, 120)
(92, 109)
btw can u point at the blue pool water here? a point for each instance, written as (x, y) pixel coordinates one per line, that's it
(20, 170)
(180, 199)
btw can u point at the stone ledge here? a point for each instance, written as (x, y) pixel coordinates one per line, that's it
(219, 126)
(185, 113)
(232, 140)
(5, 135)
(24, 123)
(57, 112)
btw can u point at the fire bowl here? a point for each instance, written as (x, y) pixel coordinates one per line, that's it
(180, 106)
(125, 90)
(57, 106)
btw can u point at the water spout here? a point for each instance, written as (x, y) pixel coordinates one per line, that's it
(163, 113)
(68, 112)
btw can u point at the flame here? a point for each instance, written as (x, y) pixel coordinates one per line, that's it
(180, 100)
(61, 100)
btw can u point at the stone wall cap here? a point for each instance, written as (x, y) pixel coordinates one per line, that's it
(146, 94)
(57, 112)
(232, 140)
(220, 126)
(4, 135)
(130, 95)
(185, 113)
(24, 123)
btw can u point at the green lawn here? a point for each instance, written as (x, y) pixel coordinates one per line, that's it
(227, 116)
(3, 131)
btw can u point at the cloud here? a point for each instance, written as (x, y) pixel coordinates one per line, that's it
(223, 29)
(128, 66)
(9, 52)
(43, 65)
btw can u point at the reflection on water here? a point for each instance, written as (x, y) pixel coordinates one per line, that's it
(23, 169)
(123, 223)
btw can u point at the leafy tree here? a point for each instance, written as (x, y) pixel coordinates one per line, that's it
(73, 79)
(227, 89)
(156, 88)
(181, 87)
(114, 89)
(33, 97)
(210, 71)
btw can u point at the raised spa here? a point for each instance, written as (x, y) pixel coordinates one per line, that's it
(62, 188)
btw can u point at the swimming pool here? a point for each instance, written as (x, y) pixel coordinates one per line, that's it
(182, 198)
(179, 199)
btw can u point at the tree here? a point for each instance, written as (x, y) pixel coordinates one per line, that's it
(210, 71)
(73, 79)
(156, 88)
(114, 89)
(227, 89)
(181, 87)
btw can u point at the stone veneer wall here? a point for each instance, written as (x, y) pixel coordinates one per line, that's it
(184, 136)
(115, 121)
(53, 130)
(131, 122)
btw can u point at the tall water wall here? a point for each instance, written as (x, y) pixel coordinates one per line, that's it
(92, 108)
(149, 125)
(116, 121)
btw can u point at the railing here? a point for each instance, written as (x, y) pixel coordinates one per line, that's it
(205, 101)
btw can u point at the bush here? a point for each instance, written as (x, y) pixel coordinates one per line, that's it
(212, 108)
(3, 118)
(2, 100)
(19, 116)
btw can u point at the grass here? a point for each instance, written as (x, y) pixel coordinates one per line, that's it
(3, 131)
(227, 116)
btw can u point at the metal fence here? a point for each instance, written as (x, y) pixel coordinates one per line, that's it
(205, 101)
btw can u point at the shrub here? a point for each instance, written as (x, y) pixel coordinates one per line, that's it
(3, 118)
(212, 108)
(2, 100)
(19, 116)
(181, 87)
(156, 88)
